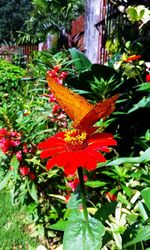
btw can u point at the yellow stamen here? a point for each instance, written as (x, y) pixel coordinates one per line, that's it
(75, 136)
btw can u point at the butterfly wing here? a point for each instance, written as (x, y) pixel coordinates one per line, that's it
(100, 110)
(73, 104)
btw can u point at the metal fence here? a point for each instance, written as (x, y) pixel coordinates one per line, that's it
(110, 18)
(7, 52)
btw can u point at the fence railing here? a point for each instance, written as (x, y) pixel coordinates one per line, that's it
(7, 52)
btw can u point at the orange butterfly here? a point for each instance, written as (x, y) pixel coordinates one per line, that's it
(83, 113)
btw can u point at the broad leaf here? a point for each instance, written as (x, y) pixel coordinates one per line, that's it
(145, 157)
(146, 196)
(81, 62)
(60, 225)
(83, 235)
(104, 211)
(74, 201)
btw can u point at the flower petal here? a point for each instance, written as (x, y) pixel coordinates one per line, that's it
(51, 151)
(99, 140)
(59, 160)
(96, 155)
(77, 159)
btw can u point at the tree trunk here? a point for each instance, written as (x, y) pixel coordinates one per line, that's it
(91, 38)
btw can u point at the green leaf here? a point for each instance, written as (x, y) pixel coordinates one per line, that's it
(104, 211)
(95, 184)
(142, 234)
(146, 196)
(145, 157)
(143, 103)
(15, 164)
(81, 62)
(132, 14)
(32, 190)
(122, 160)
(142, 210)
(60, 225)
(144, 87)
(83, 235)
(127, 190)
(3, 183)
(74, 201)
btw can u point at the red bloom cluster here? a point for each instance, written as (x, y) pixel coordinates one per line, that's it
(25, 171)
(9, 139)
(10, 143)
(57, 116)
(58, 77)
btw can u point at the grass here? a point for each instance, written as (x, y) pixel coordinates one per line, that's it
(14, 234)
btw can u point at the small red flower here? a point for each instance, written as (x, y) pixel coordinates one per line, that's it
(132, 58)
(32, 176)
(5, 145)
(63, 75)
(25, 148)
(9, 139)
(147, 78)
(56, 108)
(19, 155)
(24, 171)
(111, 197)
(75, 148)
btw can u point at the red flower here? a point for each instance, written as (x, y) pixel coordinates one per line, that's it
(24, 170)
(111, 197)
(19, 155)
(56, 108)
(8, 139)
(75, 148)
(132, 58)
(147, 78)
(32, 176)
(74, 183)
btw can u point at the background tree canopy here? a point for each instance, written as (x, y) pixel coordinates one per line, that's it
(13, 14)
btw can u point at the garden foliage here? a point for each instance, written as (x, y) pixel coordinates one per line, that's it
(118, 190)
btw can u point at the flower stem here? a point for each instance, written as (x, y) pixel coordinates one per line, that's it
(83, 195)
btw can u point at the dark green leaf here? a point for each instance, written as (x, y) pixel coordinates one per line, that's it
(105, 210)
